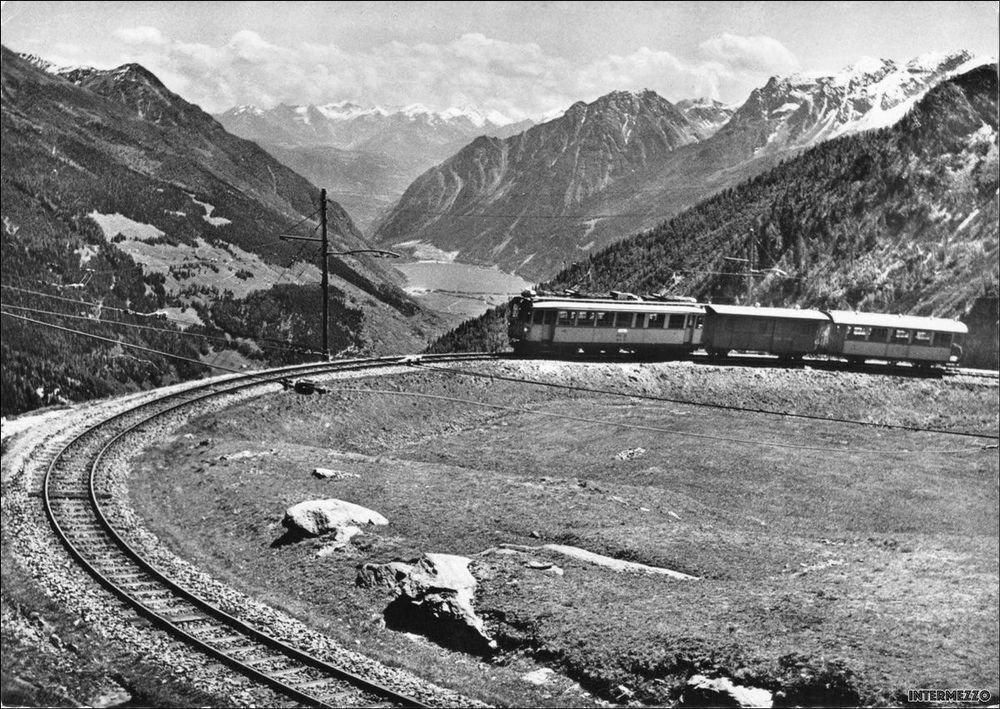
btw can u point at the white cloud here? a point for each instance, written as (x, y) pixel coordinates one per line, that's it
(750, 54)
(140, 35)
(517, 79)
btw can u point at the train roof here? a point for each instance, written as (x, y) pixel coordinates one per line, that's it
(907, 322)
(608, 305)
(757, 312)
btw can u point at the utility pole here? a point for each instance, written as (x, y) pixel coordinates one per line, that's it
(324, 258)
(325, 261)
(749, 261)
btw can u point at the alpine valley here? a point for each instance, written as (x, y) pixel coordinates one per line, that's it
(366, 156)
(903, 219)
(132, 215)
(562, 190)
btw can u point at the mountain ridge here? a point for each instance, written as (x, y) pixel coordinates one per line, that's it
(785, 116)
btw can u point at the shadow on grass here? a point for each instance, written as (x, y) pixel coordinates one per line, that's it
(291, 536)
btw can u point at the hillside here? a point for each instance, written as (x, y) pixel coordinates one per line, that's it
(903, 219)
(503, 201)
(120, 201)
(565, 189)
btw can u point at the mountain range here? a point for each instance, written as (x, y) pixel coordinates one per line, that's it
(533, 202)
(905, 219)
(132, 214)
(366, 156)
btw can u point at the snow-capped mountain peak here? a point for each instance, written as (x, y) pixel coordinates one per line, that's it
(801, 110)
(246, 109)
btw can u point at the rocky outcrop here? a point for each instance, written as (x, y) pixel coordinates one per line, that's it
(315, 517)
(433, 597)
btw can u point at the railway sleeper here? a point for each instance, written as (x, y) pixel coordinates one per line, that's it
(156, 593)
(88, 537)
(172, 608)
(185, 618)
(72, 504)
(289, 671)
(105, 558)
(278, 662)
(314, 683)
(140, 586)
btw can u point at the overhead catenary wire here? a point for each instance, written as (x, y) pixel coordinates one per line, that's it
(139, 326)
(129, 311)
(654, 429)
(710, 405)
(122, 343)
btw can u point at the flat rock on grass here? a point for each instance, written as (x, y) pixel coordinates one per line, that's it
(722, 691)
(607, 562)
(316, 517)
(330, 473)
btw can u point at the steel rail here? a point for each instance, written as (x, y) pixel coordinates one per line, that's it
(140, 567)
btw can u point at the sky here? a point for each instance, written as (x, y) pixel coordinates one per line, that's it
(520, 59)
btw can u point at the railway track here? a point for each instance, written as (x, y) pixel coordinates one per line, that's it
(76, 497)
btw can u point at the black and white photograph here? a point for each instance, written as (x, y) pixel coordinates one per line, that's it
(514, 354)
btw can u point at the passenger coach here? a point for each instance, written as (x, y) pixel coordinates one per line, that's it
(567, 325)
(895, 338)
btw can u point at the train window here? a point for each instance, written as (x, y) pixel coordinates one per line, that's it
(922, 338)
(900, 336)
(565, 317)
(940, 339)
(605, 319)
(539, 315)
(585, 318)
(857, 333)
(878, 334)
(624, 320)
(699, 322)
(550, 317)
(676, 322)
(654, 320)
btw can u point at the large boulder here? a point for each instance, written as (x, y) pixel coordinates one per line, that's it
(315, 517)
(434, 597)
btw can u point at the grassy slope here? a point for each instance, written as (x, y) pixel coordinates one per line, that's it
(877, 571)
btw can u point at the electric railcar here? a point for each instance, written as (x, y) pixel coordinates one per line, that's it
(664, 328)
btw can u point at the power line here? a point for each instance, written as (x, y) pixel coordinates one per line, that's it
(726, 407)
(652, 429)
(156, 329)
(121, 343)
(128, 311)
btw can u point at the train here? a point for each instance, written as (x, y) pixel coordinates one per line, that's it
(666, 327)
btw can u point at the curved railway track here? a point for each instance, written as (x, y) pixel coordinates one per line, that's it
(75, 495)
